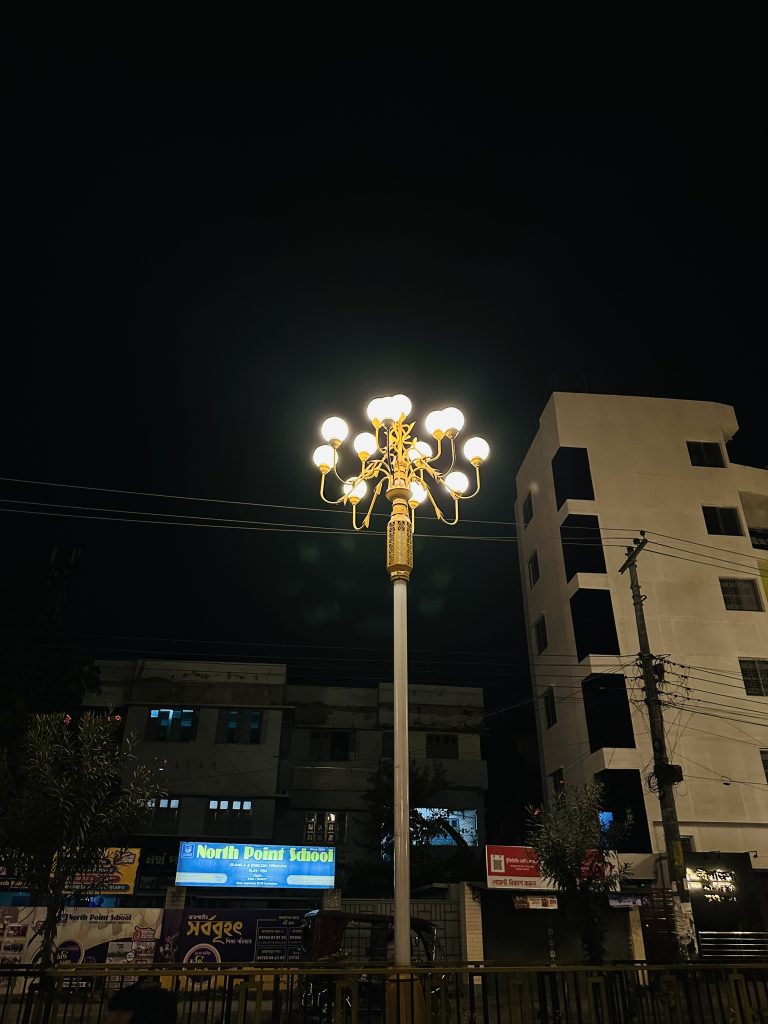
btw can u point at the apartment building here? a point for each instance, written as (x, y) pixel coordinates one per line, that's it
(602, 468)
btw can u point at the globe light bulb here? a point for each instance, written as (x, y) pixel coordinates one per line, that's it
(476, 450)
(365, 445)
(374, 412)
(453, 421)
(434, 424)
(355, 491)
(401, 405)
(334, 430)
(388, 409)
(323, 457)
(456, 482)
(418, 494)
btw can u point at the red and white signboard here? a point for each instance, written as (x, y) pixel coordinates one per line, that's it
(513, 867)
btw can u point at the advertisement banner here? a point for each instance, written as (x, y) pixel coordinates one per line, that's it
(110, 936)
(115, 874)
(513, 867)
(535, 902)
(225, 935)
(224, 865)
(15, 932)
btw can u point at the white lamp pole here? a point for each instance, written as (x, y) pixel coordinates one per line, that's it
(395, 457)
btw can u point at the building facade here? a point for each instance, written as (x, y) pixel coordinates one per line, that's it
(244, 756)
(600, 469)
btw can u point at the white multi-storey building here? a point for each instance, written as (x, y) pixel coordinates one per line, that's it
(600, 469)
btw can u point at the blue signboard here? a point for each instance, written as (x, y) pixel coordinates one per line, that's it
(218, 865)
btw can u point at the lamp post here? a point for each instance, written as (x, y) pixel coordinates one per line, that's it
(394, 457)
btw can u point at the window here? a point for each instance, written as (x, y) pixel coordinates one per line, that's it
(570, 471)
(754, 671)
(331, 745)
(228, 817)
(622, 792)
(706, 453)
(688, 845)
(165, 814)
(606, 708)
(171, 725)
(528, 509)
(582, 545)
(443, 745)
(326, 828)
(550, 709)
(540, 633)
(533, 569)
(764, 758)
(722, 521)
(740, 595)
(556, 781)
(759, 536)
(238, 726)
(594, 627)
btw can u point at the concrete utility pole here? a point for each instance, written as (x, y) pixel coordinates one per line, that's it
(665, 774)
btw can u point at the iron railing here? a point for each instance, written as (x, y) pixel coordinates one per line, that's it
(469, 994)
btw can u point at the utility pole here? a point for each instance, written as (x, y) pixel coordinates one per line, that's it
(665, 774)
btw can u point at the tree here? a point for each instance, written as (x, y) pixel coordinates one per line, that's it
(68, 794)
(455, 860)
(575, 845)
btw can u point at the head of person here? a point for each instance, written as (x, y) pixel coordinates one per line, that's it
(141, 1004)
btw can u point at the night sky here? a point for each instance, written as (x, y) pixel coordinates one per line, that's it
(216, 236)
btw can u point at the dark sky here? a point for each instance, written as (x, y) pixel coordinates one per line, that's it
(218, 235)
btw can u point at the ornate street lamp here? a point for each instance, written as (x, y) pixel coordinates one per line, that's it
(393, 457)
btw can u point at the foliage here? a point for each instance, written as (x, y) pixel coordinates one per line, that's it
(372, 874)
(577, 852)
(67, 793)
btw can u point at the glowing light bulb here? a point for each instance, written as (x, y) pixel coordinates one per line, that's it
(476, 450)
(323, 457)
(453, 421)
(401, 405)
(457, 482)
(418, 494)
(434, 424)
(355, 491)
(334, 430)
(365, 445)
(388, 409)
(374, 412)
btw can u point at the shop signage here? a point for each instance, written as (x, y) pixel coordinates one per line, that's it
(225, 865)
(116, 873)
(513, 867)
(535, 902)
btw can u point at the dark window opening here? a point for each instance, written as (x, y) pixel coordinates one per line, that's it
(332, 745)
(759, 536)
(570, 470)
(229, 817)
(688, 846)
(171, 725)
(606, 707)
(239, 726)
(594, 627)
(540, 633)
(740, 595)
(550, 708)
(528, 510)
(443, 745)
(533, 569)
(556, 781)
(764, 759)
(706, 453)
(326, 828)
(722, 521)
(622, 792)
(164, 815)
(754, 671)
(582, 545)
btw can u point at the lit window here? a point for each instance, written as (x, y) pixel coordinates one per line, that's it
(325, 827)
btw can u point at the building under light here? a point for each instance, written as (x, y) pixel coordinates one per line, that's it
(601, 469)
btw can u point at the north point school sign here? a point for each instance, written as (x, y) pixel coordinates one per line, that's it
(227, 865)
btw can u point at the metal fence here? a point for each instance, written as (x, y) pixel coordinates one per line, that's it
(470, 994)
